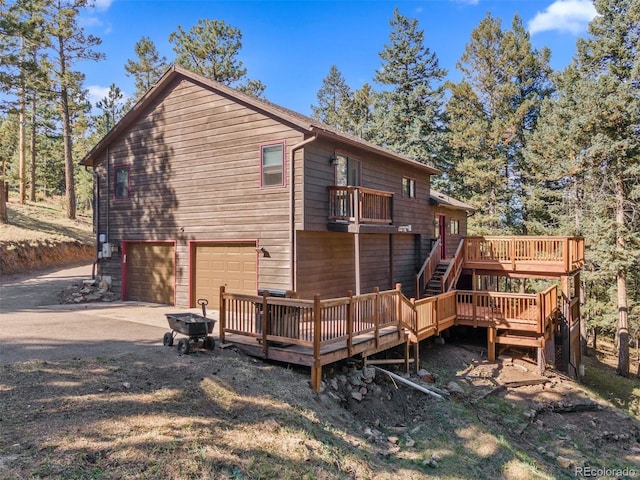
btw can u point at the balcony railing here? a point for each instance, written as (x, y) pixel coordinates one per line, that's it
(360, 205)
(524, 253)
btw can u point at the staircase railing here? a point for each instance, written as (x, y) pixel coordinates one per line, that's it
(428, 267)
(454, 269)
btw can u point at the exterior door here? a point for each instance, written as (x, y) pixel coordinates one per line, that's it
(442, 234)
(233, 265)
(149, 272)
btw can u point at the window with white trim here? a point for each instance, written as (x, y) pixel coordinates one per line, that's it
(272, 165)
(454, 227)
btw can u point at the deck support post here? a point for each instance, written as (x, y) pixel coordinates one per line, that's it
(316, 369)
(265, 322)
(350, 324)
(223, 315)
(491, 344)
(376, 316)
(542, 356)
(356, 245)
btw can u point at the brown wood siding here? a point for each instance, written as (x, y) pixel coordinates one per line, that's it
(150, 272)
(375, 266)
(453, 240)
(194, 159)
(325, 264)
(406, 262)
(377, 173)
(213, 265)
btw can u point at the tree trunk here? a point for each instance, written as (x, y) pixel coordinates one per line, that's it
(70, 188)
(621, 281)
(595, 339)
(4, 217)
(32, 150)
(22, 147)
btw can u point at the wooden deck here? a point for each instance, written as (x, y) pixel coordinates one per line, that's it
(318, 332)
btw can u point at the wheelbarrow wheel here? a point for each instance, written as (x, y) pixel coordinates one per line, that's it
(167, 340)
(209, 343)
(183, 346)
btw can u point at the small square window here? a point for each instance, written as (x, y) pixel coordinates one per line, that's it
(272, 164)
(454, 227)
(122, 182)
(408, 187)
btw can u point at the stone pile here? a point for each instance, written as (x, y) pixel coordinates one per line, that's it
(87, 291)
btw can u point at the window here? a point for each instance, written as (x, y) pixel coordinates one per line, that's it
(122, 182)
(272, 165)
(347, 171)
(408, 187)
(436, 227)
(454, 227)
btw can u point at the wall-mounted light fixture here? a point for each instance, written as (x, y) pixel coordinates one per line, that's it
(265, 253)
(333, 159)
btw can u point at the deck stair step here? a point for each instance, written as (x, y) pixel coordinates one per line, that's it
(434, 286)
(521, 339)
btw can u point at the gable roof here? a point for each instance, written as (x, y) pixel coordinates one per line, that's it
(442, 200)
(296, 120)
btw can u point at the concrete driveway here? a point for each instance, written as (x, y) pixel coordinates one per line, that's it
(34, 327)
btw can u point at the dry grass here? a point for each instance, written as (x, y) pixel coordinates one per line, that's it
(222, 415)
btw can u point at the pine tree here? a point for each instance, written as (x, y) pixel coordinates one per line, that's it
(113, 106)
(148, 68)
(70, 45)
(409, 112)
(333, 97)
(211, 49)
(490, 111)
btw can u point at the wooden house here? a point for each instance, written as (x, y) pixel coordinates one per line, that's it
(205, 192)
(200, 185)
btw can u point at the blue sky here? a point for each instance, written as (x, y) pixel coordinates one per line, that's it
(290, 45)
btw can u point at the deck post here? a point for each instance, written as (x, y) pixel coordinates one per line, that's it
(566, 255)
(541, 313)
(513, 253)
(399, 307)
(265, 322)
(316, 370)
(356, 246)
(542, 356)
(474, 310)
(350, 323)
(223, 315)
(491, 344)
(376, 316)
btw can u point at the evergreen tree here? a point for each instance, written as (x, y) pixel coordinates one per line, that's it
(408, 113)
(148, 68)
(211, 49)
(70, 45)
(114, 107)
(590, 131)
(490, 110)
(333, 98)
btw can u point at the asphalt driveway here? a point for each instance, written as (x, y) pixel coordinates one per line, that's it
(34, 327)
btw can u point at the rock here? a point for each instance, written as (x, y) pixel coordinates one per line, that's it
(439, 340)
(635, 450)
(422, 372)
(342, 379)
(410, 442)
(92, 297)
(542, 450)
(334, 383)
(126, 385)
(564, 462)
(356, 396)
(453, 387)
(368, 374)
(393, 439)
(363, 391)
(435, 457)
(355, 379)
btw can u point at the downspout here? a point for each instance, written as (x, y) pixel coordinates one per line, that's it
(292, 209)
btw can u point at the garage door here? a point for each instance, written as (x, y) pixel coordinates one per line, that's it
(232, 265)
(150, 272)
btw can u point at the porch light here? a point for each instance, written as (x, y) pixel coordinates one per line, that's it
(333, 159)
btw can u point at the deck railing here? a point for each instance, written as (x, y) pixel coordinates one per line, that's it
(360, 205)
(428, 267)
(522, 253)
(454, 269)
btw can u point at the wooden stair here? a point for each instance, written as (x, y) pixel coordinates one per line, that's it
(434, 287)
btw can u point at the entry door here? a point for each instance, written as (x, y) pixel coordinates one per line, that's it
(442, 233)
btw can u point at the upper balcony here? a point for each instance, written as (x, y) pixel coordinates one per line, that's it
(356, 209)
(524, 255)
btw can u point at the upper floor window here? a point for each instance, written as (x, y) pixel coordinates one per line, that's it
(122, 181)
(408, 187)
(347, 171)
(272, 164)
(454, 227)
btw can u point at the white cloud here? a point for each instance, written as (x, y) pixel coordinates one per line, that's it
(571, 16)
(97, 93)
(103, 4)
(467, 2)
